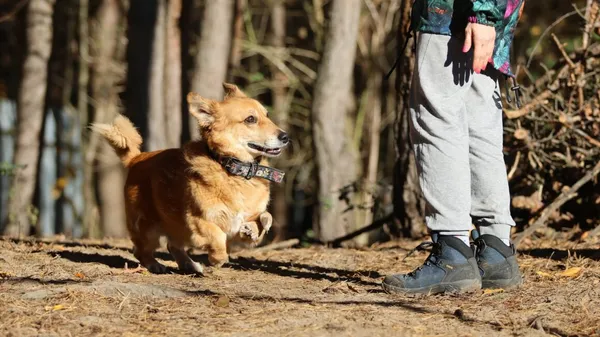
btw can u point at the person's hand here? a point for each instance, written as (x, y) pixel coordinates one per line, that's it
(481, 38)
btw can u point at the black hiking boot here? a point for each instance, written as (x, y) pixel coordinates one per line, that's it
(497, 262)
(451, 267)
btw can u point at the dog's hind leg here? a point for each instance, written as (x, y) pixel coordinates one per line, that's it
(145, 240)
(184, 261)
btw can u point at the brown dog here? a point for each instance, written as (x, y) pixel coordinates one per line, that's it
(210, 193)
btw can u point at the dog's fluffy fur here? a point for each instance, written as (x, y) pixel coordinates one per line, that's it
(187, 196)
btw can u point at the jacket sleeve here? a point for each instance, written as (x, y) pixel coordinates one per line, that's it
(487, 12)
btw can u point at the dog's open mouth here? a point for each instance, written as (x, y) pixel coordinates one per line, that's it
(271, 151)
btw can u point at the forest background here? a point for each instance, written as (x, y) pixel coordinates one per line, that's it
(320, 68)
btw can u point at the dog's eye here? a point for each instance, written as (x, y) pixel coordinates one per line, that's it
(250, 120)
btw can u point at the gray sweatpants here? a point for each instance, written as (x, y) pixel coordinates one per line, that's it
(456, 131)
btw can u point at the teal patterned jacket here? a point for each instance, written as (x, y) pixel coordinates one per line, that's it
(450, 17)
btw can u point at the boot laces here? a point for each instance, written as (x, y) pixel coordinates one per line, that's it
(436, 250)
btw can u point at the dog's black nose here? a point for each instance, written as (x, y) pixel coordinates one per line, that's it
(283, 137)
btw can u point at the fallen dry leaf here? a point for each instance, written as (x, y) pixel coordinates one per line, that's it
(492, 291)
(55, 308)
(541, 273)
(80, 275)
(222, 302)
(572, 272)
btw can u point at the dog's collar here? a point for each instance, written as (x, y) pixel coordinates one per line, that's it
(248, 170)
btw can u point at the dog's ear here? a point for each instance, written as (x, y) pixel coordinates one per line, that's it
(201, 108)
(231, 90)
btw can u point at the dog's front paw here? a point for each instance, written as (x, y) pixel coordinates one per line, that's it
(247, 231)
(266, 220)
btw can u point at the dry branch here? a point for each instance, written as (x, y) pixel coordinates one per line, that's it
(565, 196)
(562, 126)
(278, 245)
(527, 108)
(563, 51)
(14, 11)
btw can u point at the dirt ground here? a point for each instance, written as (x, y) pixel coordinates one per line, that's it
(87, 288)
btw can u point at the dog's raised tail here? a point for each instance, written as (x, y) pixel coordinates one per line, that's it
(122, 136)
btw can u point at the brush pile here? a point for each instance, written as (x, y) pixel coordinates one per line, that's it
(554, 138)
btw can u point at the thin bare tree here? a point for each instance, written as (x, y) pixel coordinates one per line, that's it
(172, 72)
(30, 106)
(409, 206)
(280, 113)
(376, 26)
(213, 52)
(157, 138)
(164, 114)
(108, 70)
(336, 153)
(89, 145)
(235, 59)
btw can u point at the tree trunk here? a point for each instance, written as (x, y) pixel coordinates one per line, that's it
(32, 93)
(374, 139)
(172, 71)
(235, 59)
(280, 113)
(409, 205)
(213, 53)
(164, 114)
(89, 145)
(111, 177)
(157, 138)
(336, 154)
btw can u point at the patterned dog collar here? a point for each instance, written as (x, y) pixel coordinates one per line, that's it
(249, 170)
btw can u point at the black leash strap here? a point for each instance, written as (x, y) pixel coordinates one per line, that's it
(400, 55)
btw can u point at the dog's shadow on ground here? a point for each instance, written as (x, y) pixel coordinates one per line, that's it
(285, 269)
(112, 261)
(299, 270)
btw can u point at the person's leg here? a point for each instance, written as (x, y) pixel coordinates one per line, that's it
(440, 136)
(490, 197)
